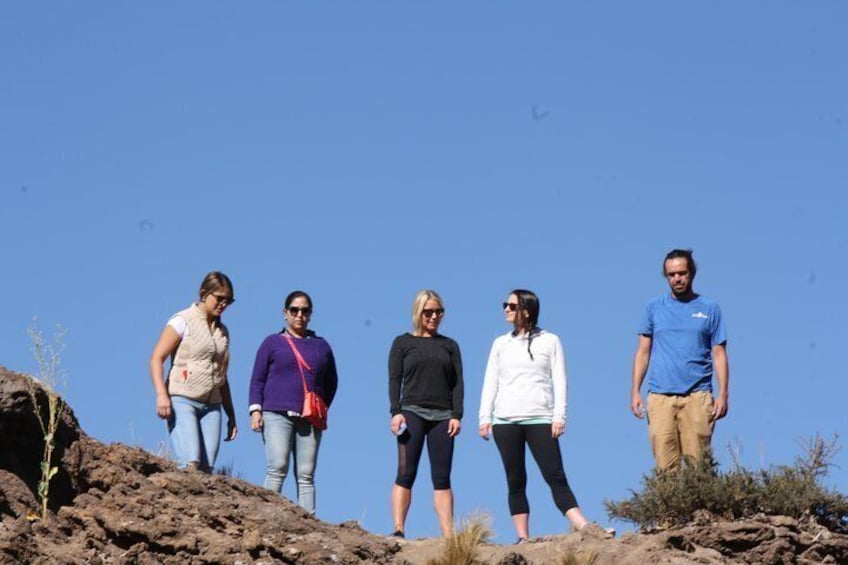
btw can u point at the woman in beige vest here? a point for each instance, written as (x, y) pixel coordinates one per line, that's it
(196, 388)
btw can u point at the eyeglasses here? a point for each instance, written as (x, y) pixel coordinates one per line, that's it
(511, 306)
(294, 311)
(430, 312)
(224, 300)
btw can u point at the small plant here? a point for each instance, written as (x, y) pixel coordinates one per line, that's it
(673, 498)
(461, 548)
(588, 557)
(228, 470)
(50, 373)
(162, 449)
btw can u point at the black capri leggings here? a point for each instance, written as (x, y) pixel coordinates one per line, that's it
(510, 439)
(411, 444)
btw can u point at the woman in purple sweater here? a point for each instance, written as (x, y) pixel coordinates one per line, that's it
(276, 398)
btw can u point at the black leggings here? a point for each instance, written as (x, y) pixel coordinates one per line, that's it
(411, 444)
(510, 439)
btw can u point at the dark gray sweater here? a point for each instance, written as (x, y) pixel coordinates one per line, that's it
(426, 372)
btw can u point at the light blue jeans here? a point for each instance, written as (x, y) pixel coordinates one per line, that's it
(195, 429)
(283, 436)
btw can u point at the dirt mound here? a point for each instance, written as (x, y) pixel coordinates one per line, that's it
(765, 540)
(117, 504)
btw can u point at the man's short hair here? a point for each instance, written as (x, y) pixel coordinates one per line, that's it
(681, 254)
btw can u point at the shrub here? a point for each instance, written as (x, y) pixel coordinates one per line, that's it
(673, 497)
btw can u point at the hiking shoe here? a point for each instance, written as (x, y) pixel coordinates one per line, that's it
(398, 534)
(596, 531)
(521, 541)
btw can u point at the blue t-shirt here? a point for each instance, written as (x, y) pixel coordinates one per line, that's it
(682, 337)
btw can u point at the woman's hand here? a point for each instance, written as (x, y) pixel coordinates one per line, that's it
(163, 406)
(485, 430)
(557, 429)
(232, 429)
(398, 421)
(165, 347)
(256, 422)
(454, 426)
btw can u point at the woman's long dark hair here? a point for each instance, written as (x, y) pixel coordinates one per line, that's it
(527, 302)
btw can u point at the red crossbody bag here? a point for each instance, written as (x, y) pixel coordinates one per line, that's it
(314, 408)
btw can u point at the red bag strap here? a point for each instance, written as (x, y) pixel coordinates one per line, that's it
(301, 362)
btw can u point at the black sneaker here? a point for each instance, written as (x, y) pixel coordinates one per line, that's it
(398, 534)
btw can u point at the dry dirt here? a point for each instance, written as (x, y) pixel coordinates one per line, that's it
(118, 504)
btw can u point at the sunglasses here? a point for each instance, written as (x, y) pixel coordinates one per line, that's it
(430, 312)
(294, 310)
(511, 306)
(225, 300)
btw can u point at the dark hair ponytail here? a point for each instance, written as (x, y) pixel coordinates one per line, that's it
(528, 302)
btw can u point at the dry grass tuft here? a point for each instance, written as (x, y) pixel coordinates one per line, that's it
(461, 548)
(587, 557)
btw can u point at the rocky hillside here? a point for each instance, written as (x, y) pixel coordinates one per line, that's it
(117, 504)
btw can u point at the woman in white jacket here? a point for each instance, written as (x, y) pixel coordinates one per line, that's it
(523, 403)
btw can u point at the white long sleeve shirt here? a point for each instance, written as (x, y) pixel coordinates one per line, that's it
(517, 387)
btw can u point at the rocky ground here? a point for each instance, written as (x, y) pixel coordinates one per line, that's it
(117, 504)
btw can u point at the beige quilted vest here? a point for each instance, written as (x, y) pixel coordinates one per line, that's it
(198, 364)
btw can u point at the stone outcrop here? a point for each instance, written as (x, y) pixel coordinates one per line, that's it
(118, 504)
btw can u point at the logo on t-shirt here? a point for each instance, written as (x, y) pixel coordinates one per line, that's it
(700, 315)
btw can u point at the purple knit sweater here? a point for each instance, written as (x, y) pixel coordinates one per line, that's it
(276, 384)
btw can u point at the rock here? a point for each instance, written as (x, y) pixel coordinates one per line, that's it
(118, 504)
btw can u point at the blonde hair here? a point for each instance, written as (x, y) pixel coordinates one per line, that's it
(418, 307)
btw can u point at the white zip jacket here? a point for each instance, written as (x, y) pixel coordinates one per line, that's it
(517, 387)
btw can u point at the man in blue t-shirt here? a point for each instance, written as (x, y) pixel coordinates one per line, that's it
(682, 344)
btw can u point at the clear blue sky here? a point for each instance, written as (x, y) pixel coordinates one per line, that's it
(363, 150)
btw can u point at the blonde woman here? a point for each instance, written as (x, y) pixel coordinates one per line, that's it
(196, 388)
(426, 395)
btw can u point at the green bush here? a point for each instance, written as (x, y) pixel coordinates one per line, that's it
(673, 498)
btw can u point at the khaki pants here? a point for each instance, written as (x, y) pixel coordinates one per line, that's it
(679, 425)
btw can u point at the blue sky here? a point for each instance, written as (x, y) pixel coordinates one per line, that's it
(362, 151)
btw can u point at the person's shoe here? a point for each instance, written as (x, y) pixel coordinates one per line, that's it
(521, 541)
(594, 530)
(398, 534)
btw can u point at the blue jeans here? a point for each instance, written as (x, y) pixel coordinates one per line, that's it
(283, 436)
(195, 429)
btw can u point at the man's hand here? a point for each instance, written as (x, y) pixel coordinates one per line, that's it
(485, 430)
(636, 406)
(720, 408)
